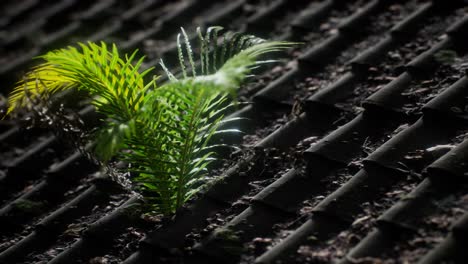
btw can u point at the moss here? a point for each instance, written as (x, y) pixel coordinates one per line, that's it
(133, 210)
(28, 206)
(227, 234)
(446, 56)
(229, 241)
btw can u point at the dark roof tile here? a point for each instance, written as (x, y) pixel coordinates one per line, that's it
(374, 242)
(172, 235)
(409, 210)
(453, 163)
(346, 201)
(452, 248)
(354, 23)
(312, 15)
(409, 25)
(460, 228)
(452, 102)
(334, 93)
(346, 142)
(319, 226)
(419, 136)
(294, 131)
(288, 191)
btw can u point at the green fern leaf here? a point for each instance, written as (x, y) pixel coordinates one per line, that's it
(116, 82)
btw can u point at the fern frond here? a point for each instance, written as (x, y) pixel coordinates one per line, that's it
(115, 85)
(179, 119)
(171, 139)
(189, 52)
(226, 65)
(92, 68)
(169, 74)
(236, 69)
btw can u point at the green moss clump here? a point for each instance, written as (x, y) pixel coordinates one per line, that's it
(29, 207)
(229, 241)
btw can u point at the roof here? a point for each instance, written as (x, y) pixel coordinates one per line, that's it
(354, 148)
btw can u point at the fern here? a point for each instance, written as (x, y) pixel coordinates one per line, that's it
(162, 133)
(100, 72)
(196, 105)
(172, 142)
(116, 85)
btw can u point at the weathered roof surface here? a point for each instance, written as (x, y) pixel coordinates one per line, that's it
(354, 152)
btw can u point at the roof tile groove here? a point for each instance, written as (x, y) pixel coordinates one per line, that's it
(13, 11)
(257, 23)
(452, 163)
(346, 142)
(449, 103)
(449, 249)
(420, 135)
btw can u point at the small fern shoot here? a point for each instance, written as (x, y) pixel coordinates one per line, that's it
(163, 133)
